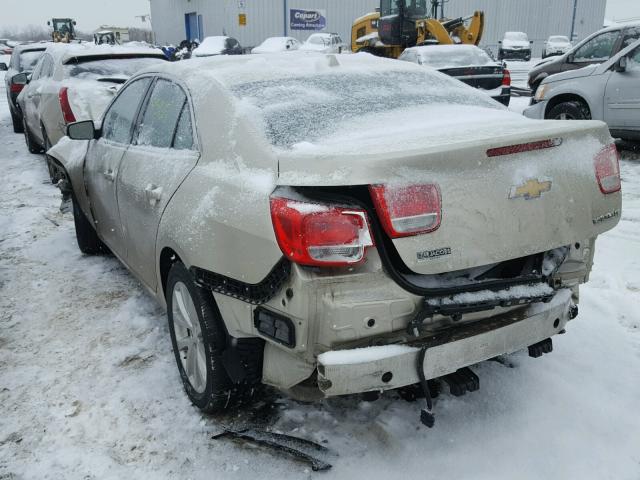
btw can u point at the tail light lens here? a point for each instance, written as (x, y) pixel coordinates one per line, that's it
(320, 235)
(407, 210)
(506, 78)
(15, 88)
(67, 113)
(607, 169)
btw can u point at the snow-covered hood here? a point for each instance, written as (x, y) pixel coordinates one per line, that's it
(316, 47)
(580, 73)
(515, 44)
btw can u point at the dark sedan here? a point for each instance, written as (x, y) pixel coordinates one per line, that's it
(23, 59)
(467, 63)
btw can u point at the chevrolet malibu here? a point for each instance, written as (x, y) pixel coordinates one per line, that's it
(332, 225)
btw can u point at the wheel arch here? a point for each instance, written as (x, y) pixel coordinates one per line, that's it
(567, 97)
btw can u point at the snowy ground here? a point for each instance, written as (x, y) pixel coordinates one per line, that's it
(89, 389)
(520, 71)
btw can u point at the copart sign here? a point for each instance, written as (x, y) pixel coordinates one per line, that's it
(307, 19)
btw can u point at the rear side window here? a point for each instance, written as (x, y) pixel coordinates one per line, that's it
(118, 122)
(598, 49)
(27, 60)
(183, 139)
(630, 36)
(161, 115)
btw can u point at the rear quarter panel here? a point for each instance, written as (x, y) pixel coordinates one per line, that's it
(219, 218)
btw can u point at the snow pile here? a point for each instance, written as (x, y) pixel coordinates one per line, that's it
(516, 292)
(277, 44)
(211, 46)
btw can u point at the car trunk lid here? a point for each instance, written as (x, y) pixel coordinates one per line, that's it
(486, 78)
(497, 205)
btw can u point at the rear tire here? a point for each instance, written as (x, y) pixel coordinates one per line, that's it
(88, 241)
(17, 123)
(569, 111)
(53, 171)
(32, 146)
(199, 340)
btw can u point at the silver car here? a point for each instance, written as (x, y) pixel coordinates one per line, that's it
(74, 82)
(310, 232)
(609, 92)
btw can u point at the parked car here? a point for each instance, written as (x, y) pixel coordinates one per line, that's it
(5, 48)
(212, 46)
(515, 45)
(324, 43)
(597, 48)
(74, 82)
(379, 224)
(556, 45)
(466, 63)
(277, 44)
(609, 92)
(23, 59)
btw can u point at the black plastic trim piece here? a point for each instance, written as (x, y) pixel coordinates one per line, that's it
(253, 293)
(275, 326)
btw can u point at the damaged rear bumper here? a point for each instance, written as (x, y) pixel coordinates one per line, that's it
(393, 366)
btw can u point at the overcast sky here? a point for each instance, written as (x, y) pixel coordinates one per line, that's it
(92, 13)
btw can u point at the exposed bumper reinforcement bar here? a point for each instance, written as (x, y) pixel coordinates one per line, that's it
(393, 366)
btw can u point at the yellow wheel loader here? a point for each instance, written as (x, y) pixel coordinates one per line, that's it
(399, 24)
(63, 29)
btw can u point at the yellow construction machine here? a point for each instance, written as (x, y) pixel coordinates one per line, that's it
(63, 29)
(399, 24)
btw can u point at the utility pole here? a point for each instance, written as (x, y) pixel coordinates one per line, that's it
(573, 20)
(285, 16)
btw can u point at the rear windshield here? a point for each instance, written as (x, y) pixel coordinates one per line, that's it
(305, 109)
(559, 39)
(108, 67)
(455, 57)
(29, 59)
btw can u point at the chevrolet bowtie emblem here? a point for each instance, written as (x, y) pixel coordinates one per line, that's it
(530, 189)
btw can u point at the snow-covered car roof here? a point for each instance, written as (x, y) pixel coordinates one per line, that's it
(63, 52)
(295, 99)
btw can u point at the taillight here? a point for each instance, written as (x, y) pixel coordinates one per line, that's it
(67, 113)
(407, 210)
(320, 235)
(16, 88)
(607, 169)
(506, 78)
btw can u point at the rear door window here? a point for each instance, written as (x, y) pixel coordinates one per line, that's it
(161, 115)
(630, 35)
(117, 125)
(598, 49)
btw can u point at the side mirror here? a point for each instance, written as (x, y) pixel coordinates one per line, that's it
(531, 42)
(621, 65)
(20, 79)
(74, 22)
(84, 130)
(49, 23)
(500, 42)
(570, 58)
(3, 67)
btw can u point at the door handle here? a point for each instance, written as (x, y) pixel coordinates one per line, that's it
(109, 175)
(153, 194)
